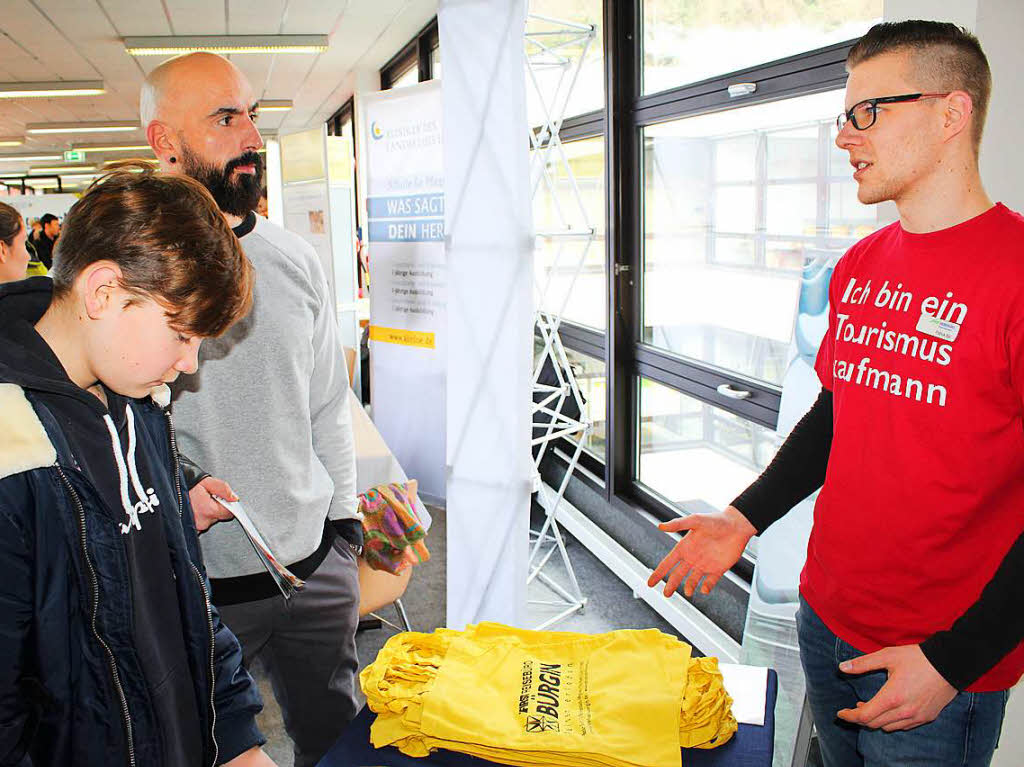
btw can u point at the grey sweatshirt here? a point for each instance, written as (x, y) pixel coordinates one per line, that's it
(267, 410)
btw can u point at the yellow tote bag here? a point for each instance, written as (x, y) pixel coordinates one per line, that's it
(614, 695)
(628, 698)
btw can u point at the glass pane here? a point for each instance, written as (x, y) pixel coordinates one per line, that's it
(686, 41)
(590, 377)
(695, 455)
(588, 92)
(410, 76)
(570, 271)
(435, 64)
(735, 205)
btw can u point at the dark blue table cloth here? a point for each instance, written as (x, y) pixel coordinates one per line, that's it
(750, 747)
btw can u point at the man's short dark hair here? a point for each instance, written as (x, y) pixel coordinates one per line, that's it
(944, 57)
(47, 218)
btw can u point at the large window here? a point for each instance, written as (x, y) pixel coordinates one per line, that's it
(717, 210)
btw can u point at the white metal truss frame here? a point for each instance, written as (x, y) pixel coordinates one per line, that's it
(562, 46)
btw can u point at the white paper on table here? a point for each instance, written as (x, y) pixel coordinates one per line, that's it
(748, 686)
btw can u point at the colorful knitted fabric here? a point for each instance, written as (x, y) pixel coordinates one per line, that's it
(392, 533)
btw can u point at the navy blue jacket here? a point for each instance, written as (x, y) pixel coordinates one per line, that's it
(72, 691)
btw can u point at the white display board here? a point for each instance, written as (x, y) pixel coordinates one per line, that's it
(405, 206)
(489, 244)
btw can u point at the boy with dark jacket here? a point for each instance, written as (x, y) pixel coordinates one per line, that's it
(112, 652)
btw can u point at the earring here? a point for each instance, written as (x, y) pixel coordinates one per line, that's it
(174, 159)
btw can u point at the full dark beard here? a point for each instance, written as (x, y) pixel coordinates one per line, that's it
(235, 196)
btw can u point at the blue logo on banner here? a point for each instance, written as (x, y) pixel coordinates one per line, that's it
(406, 206)
(375, 130)
(409, 230)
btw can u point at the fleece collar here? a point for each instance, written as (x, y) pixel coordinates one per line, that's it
(26, 445)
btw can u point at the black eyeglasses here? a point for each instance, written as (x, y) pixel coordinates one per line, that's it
(864, 113)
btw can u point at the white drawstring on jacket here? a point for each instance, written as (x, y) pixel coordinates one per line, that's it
(125, 470)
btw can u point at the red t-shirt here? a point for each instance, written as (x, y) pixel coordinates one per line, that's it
(924, 493)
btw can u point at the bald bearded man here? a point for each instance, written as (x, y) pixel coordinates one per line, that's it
(267, 412)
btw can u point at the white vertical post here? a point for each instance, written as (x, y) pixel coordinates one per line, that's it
(488, 226)
(275, 186)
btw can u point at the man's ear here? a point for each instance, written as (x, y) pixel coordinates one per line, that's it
(957, 113)
(164, 144)
(100, 285)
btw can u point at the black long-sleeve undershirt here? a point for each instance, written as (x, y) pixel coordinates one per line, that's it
(986, 632)
(797, 470)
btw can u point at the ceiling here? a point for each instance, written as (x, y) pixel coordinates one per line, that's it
(47, 40)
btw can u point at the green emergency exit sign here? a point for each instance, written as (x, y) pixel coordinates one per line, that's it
(74, 155)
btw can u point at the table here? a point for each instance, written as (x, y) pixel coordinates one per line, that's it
(750, 747)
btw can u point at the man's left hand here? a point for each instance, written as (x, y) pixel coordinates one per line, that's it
(914, 694)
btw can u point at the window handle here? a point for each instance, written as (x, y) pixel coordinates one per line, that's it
(726, 390)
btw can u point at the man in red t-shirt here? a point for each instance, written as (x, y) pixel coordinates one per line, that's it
(911, 624)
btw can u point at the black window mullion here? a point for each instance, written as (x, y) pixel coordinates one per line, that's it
(622, 233)
(806, 72)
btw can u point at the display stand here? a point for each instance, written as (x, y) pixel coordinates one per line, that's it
(559, 46)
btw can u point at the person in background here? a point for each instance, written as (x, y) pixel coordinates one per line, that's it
(14, 256)
(37, 228)
(911, 626)
(268, 412)
(50, 231)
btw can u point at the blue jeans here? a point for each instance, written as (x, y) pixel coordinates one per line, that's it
(965, 733)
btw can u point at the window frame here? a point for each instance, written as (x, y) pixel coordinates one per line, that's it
(416, 53)
(627, 358)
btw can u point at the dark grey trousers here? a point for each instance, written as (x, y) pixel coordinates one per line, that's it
(308, 647)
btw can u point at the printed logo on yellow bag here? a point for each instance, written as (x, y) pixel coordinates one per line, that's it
(546, 688)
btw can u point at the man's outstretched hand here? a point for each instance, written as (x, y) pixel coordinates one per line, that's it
(713, 544)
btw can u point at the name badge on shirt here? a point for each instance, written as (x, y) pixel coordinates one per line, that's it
(933, 326)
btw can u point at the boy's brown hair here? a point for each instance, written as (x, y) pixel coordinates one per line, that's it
(943, 56)
(170, 241)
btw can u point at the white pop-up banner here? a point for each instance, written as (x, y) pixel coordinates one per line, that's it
(489, 229)
(408, 277)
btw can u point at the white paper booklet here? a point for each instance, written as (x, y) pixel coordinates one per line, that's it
(283, 577)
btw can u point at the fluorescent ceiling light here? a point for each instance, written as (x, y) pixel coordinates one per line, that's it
(175, 44)
(112, 148)
(51, 89)
(30, 157)
(92, 127)
(12, 141)
(279, 105)
(62, 169)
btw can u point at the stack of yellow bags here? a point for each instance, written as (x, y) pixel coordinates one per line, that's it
(621, 699)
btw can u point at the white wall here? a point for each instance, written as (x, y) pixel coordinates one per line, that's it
(999, 27)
